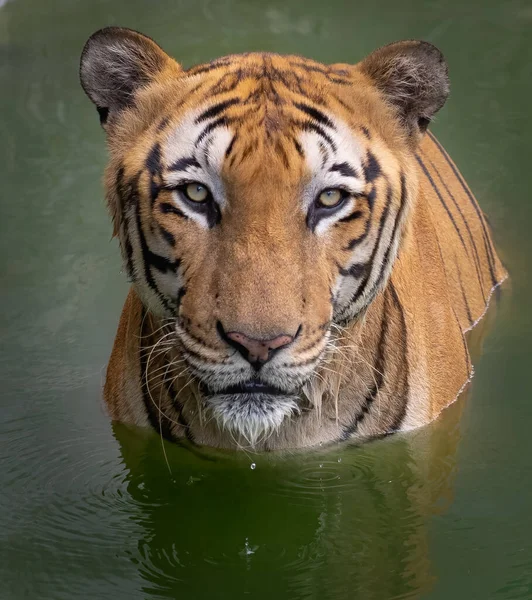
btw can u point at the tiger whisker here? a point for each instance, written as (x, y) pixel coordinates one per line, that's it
(146, 379)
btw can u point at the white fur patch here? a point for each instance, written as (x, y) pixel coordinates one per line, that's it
(319, 164)
(251, 416)
(209, 153)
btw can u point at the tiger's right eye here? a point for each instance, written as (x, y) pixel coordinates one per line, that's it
(331, 197)
(196, 192)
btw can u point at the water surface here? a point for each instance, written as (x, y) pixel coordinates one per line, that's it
(88, 510)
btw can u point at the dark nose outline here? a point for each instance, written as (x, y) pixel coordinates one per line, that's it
(256, 352)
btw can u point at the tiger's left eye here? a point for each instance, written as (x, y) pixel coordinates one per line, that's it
(331, 197)
(196, 192)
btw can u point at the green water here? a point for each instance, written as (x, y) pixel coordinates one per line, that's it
(91, 511)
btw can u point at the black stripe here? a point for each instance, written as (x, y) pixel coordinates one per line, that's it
(315, 114)
(164, 122)
(217, 64)
(231, 145)
(279, 148)
(384, 217)
(210, 210)
(146, 252)
(205, 360)
(195, 338)
(459, 279)
(360, 290)
(182, 163)
(299, 149)
(169, 237)
(464, 299)
(122, 196)
(129, 254)
(357, 270)
(310, 67)
(398, 218)
(161, 263)
(371, 197)
(473, 245)
(338, 80)
(170, 390)
(206, 150)
(153, 164)
(249, 149)
(166, 207)
(466, 350)
(341, 102)
(180, 294)
(158, 421)
(372, 168)
(211, 127)
(345, 169)
(367, 226)
(350, 429)
(310, 126)
(294, 84)
(487, 241)
(356, 241)
(435, 188)
(324, 154)
(215, 110)
(356, 214)
(190, 92)
(227, 83)
(153, 160)
(119, 185)
(333, 75)
(155, 188)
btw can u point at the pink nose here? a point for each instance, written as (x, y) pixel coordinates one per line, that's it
(258, 350)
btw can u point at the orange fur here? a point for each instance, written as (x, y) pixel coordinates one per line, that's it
(261, 270)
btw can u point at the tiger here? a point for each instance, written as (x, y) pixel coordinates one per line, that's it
(305, 258)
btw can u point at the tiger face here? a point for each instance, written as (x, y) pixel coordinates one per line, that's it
(260, 202)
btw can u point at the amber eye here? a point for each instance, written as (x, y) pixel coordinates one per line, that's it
(331, 197)
(196, 192)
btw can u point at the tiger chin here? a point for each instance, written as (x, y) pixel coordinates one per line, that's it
(305, 258)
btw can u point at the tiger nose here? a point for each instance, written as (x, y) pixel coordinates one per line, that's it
(255, 351)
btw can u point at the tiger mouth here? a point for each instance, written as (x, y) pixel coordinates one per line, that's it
(248, 387)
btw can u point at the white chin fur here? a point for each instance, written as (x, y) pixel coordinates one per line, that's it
(252, 417)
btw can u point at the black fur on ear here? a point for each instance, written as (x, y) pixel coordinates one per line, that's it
(115, 63)
(413, 77)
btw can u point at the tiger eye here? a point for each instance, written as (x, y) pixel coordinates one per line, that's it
(196, 192)
(331, 197)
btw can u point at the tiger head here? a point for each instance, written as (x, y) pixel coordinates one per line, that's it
(260, 201)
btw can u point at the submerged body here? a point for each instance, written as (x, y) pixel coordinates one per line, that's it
(305, 258)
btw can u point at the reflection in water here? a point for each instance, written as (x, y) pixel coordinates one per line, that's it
(317, 525)
(86, 517)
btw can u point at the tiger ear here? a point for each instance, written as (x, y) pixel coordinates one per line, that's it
(115, 63)
(413, 77)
